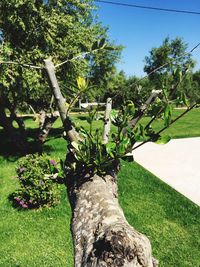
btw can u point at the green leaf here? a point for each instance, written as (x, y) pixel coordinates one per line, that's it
(163, 140)
(110, 147)
(180, 75)
(167, 115)
(185, 99)
(113, 113)
(109, 48)
(142, 131)
(121, 149)
(82, 83)
(125, 142)
(165, 93)
(130, 107)
(175, 71)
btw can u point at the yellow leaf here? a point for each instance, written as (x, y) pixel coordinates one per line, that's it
(82, 83)
(67, 104)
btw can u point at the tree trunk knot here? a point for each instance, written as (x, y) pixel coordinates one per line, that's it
(114, 249)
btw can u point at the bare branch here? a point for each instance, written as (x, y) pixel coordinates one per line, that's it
(72, 135)
(81, 55)
(142, 110)
(21, 64)
(172, 92)
(144, 107)
(107, 121)
(32, 109)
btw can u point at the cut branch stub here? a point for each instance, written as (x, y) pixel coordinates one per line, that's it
(71, 133)
(107, 121)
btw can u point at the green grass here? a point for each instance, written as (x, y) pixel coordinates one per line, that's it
(187, 126)
(42, 238)
(169, 220)
(32, 238)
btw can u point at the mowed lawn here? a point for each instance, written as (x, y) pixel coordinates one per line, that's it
(187, 126)
(42, 237)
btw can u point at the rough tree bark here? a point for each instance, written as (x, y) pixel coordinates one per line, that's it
(101, 234)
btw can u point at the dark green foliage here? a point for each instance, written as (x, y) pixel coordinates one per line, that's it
(31, 31)
(122, 88)
(92, 155)
(38, 176)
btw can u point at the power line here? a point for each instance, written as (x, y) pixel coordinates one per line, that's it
(149, 7)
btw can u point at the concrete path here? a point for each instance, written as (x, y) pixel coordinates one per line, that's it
(177, 163)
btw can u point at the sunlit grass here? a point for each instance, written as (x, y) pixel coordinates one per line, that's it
(42, 237)
(187, 126)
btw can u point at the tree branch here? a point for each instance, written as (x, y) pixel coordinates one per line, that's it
(166, 127)
(172, 92)
(21, 64)
(142, 110)
(71, 133)
(81, 55)
(107, 121)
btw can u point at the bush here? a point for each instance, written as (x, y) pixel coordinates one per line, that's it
(38, 177)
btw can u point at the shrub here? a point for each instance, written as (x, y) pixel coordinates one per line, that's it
(38, 176)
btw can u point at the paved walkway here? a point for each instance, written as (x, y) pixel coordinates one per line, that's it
(177, 163)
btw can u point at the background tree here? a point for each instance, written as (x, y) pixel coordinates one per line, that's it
(196, 85)
(34, 30)
(175, 61)
(122, 88)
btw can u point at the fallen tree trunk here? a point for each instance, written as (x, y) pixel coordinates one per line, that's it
(102, 236)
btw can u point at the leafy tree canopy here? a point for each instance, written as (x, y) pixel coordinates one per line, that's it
(172, 55)
(34, 30)
(170, 64)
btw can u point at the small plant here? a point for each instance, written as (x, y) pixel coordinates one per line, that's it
(92, 155)
(39, 177)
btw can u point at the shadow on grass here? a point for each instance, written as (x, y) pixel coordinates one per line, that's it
(11, 152)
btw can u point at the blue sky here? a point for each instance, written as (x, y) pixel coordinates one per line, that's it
(139, 29)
